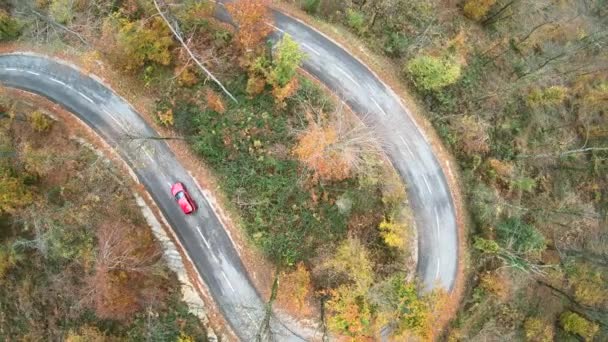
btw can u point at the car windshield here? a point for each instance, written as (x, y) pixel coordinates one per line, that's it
(179, 195)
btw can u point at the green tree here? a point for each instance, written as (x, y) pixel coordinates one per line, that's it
(13, 193)
(538, 330)
(400, 305)
(431, 73)
(285, 62)
(9, 27)
(515, 235)
(62, 10)
(576, 324)
(352, 258)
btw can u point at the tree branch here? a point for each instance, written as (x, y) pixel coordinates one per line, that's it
(181, 40)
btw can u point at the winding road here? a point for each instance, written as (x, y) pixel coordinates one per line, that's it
(202, 235)
(406, 145)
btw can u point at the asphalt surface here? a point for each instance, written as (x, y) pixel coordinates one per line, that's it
(202, 235)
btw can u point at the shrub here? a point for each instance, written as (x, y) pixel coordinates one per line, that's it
(40, 122)
(311, 6)
(538, 330)
(393, 233)
(355, 20)
(214, 101)
(9, 27)
(520, 237)
(546, 97)
(433, 73)
(575, 324)
(396, 44)
(62, 11)
(477, 9)
(285, 62)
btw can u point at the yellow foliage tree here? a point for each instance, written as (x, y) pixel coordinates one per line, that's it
(352, 258)
(349, 312)
(477, 9)
(538, 330)
(40, 122)
(393, 233)
(294, 288)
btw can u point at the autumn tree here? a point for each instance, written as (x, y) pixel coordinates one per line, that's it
(124, 253)
(132, 44)
(349, 312)
(252, 18)
(40, 122)
(295, 286)
(14, 194)
(477, 9)
(576, 324)
(9, 27)
(335, 149)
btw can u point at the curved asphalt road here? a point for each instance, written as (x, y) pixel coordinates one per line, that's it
(407, 147)
(405, 143)
(202, 235)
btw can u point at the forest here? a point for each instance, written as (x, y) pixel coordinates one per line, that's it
(78, 261)
(517, 90)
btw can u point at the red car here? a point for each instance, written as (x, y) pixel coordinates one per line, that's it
(183, 198)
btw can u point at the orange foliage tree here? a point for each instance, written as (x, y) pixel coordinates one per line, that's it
(335, 149)
(252, 18)
(124, 254)
(295, 287)
(315, 150)
(214, 101)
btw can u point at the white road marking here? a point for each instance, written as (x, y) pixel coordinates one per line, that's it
(113, 118)
(200, 232)
(32, 72)
(228, 281)
(86, 97)
(57, 81)
(251, 318)
(437, 221)
(377, 105)
(310, 48)
(407, 146)
(346, 75)
(11, 69)
(437, 272)
(147, 153)
(427, 184)
(274, 27)
(203, 236)
(371, 91)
